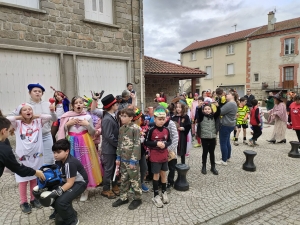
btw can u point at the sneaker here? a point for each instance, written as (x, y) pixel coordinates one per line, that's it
(75, 222)
(197, 145)
(235, 143)
(187, 154)
(108, 194)
(134, 204)
(157, 201)
(165, 198)
(120, 202)
(245, 142)
(251, 143)
(25, 208)
(116, 190)
(36, 204)
(169, 188)
(84, 196)
(145, 188)
(229, 160)
(52, 216)
(221, 162)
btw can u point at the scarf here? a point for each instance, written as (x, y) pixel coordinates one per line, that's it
(63, 120)
(209, 116)
(280, 111)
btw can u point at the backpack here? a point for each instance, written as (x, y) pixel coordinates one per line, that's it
(53, 177)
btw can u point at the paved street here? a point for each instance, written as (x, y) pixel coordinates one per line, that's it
(211, 199)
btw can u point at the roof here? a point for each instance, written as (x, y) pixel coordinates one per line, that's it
(219, 40)
(163, 68)
(283, 25)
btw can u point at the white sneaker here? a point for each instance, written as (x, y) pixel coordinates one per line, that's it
(221, 162)
(84, 196)
(157, 201)
(228, 160)
(165, 198)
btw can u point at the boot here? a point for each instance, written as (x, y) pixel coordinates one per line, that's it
(213, 170)
(116, 190)
(203, 170)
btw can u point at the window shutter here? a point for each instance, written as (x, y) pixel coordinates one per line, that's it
(209, 72)
(229, 69)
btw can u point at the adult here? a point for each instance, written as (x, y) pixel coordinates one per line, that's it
(294, 115)
(110, 133)
(126, 95)
(270, 101)
(228, 121)
(203, 94)
(130, 89)
(290, 96)
(249, 98)
(279, 115)
(39, 107)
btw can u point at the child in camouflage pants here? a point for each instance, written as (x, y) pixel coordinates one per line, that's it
(128, 156)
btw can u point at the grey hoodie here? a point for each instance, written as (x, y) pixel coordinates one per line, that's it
(228, 113)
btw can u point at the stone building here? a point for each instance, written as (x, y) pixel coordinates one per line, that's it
(164, 76)
(73, 45)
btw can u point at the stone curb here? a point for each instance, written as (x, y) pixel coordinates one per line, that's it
(253, 207)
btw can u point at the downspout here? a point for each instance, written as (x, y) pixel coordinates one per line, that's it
(136, 81)
(141, 58)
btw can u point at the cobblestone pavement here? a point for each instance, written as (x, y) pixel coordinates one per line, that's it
(209, 196)
(283, 213)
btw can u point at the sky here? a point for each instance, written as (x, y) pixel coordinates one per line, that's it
(172, 25)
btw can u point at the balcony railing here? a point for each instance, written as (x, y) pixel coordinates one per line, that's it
(271, 86)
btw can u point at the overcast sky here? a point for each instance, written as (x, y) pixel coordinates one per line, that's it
(171, 25)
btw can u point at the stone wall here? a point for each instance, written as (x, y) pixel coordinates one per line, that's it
(60, 25)
(154, 85)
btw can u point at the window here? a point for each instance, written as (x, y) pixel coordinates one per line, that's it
(208, 53)
(209, 72)
(99, 10)
(27, 3)
(289, 73)
(193, 56)
(230, 49)
(256, 77)
(289, 46)
(230, 69)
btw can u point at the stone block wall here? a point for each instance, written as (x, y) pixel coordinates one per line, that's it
(60, 23)
(154, 85)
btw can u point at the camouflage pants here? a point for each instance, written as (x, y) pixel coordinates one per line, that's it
(130, 178)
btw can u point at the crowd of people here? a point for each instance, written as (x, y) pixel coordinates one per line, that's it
(119, 147)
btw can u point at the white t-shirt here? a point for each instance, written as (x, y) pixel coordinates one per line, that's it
(79, 128)
(59, 110)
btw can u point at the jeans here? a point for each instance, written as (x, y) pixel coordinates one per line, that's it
(224, 135)
(63, 204)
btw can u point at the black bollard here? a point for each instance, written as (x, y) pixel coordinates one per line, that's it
(294, 153)
(249, 164)
(181, 183)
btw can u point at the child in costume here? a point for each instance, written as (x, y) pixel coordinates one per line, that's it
(183, 127)
(242, 120)
(128, 156)
(255, 122)
(158, 140)
(29, 149)
(79, 126)
(208, 133)
(61, 106)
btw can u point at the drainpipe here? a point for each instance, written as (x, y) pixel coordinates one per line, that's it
(141, 58)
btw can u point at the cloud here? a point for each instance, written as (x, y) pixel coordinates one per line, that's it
(171, 25)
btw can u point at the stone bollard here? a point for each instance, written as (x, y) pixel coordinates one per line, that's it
(181, 183)
(294, 153)
(249, 164)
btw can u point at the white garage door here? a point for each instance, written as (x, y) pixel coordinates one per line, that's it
(101, 74)
(18, 69)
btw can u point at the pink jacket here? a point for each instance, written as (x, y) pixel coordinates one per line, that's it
(193, 110)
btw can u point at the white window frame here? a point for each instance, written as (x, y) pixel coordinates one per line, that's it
(258, 76)
(227, 69)
(193, 56)
(209, 75)
(290, 44)
(35, 4)
(208, 53)
(230, 49)
(99, 13)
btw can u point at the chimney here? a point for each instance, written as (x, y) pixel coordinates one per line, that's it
(271, 21)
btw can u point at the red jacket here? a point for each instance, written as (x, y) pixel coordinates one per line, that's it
(295, 115)
(254, 116)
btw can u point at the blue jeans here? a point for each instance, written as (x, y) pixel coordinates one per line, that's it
(224, 135)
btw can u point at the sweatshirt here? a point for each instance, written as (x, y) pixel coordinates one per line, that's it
(228, 113)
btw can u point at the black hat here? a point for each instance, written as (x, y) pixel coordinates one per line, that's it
(108, 101)
(279, 96)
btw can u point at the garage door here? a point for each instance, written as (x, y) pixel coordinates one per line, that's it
(18, 69)
(101, 74)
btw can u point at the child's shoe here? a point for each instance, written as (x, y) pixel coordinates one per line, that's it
(75, 222)
(169, 188)
(120, 202)
(165, 198)
(197, 145)
(157, 201)
(116, 190)
(251, 143)
(145, 188)
(26, 208)
(36, 204)
(134, 204)
(235, 143)
(108, 194)
(245, 142)
(84, 196)
(52, 216)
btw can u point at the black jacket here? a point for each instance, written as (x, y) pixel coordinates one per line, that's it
(249, 99)
(8, 159)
